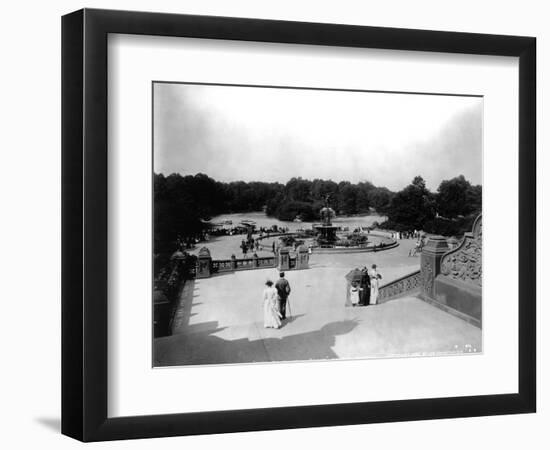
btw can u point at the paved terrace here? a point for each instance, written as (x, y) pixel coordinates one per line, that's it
(220, 319)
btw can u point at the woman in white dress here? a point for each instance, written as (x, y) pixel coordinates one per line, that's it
(374, 280)
(272, 316)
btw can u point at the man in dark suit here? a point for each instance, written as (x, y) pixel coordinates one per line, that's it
(283, 290)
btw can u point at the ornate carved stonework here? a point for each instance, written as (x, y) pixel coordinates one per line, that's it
(464, 263)
(477, 228)
(400, 286)
(427, 276)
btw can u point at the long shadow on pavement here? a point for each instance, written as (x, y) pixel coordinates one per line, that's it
(290, 319)
(203, 347)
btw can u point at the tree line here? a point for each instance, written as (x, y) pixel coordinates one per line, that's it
(450, 211)
(304, 199)
(183, 203)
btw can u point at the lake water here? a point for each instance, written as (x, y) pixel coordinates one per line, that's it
(262, 220)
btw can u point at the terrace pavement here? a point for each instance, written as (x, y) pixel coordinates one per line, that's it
(220, 319)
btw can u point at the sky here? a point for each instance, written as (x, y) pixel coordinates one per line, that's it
(236, 133)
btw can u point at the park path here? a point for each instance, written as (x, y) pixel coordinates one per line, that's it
(221, 321)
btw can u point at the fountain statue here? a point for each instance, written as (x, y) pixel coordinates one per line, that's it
(326, 232)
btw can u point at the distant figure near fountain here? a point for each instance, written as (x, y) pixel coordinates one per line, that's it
(326, 232)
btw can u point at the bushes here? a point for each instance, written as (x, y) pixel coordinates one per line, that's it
(438, 225)
(173, 273)
(288, 211)
(450, 227)
(166, 285)
(393, 226)
(288, 241)
(357, 239)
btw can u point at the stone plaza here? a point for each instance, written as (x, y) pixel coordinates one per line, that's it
(218, 319)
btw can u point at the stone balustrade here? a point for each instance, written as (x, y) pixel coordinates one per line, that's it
(407, 284)
(206, 266)
(222, 265)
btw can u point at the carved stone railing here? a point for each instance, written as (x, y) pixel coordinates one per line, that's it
(464, 262)
(402, 286)
(233, 264)
(267, 261)
(244, 263)
(222, 265)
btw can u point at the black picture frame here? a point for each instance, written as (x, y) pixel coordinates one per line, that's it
(84, 224)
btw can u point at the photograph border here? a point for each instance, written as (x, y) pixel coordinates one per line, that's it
(84, 224)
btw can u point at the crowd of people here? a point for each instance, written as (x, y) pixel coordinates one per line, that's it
(229, 231)
(273, 229)
(249, 245)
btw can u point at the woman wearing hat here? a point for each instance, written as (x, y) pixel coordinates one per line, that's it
(272, 316)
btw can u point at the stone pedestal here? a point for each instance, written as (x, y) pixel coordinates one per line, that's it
(283, 259)
(204, 263)
(430, 263)
(302, 258)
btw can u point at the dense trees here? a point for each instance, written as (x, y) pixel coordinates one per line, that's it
(345, 197)
(457, 197)
(182, 203)
(449, 211)
(239, 196)
(204, 197)
(380, 199)
(289, 210)
(413, 206)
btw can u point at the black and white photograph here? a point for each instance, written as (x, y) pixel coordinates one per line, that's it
(275, 225)
(301, 224)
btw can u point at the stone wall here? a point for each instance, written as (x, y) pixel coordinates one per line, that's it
(452, 279)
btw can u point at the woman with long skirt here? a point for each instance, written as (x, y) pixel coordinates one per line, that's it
(272, 316)
(374, 282)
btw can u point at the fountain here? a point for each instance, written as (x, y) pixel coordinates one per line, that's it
(329, 238)
(326, 232)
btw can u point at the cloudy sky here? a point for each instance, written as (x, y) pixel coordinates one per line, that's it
(273, 134)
